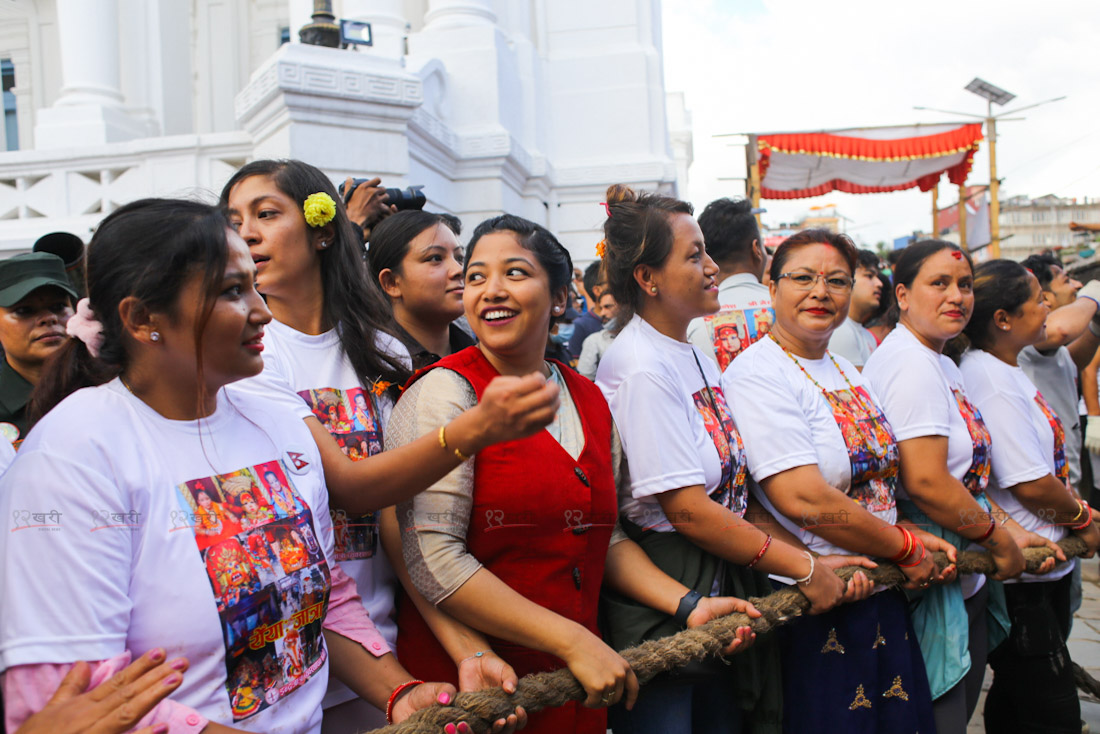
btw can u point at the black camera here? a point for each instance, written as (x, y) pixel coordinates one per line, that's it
(411, 197)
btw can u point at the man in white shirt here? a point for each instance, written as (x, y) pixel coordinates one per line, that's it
(851, 339)
(732, 238)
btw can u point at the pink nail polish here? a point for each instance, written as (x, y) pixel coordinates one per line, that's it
(160, 729)
(178, 664)
(156, 654)
(444, 698)
(172, 680)
(450, 729)
(464, 728)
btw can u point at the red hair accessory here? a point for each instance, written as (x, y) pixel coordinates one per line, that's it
(956, 254)
(606, 208)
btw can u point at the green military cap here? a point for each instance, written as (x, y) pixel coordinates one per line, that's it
(24, 273)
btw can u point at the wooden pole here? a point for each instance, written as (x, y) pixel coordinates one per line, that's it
(994, 189)
(752, 160)
(962, 217)
(936, 210)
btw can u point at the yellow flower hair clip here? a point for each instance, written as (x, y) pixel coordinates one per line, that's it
(601, 249)
(319, 209)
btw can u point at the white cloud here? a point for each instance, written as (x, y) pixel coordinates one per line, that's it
(777, 65)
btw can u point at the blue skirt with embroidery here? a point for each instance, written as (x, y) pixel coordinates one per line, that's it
(855, 670)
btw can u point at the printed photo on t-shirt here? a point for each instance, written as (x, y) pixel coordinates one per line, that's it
(733, 330)
(976, 478)
(351, 418)
(872, 447)
(731, 491)
(268, 576)
(1061, 466)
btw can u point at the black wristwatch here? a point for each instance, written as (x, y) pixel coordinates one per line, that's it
(687, 606)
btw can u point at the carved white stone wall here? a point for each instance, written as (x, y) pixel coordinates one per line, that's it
(527, 106)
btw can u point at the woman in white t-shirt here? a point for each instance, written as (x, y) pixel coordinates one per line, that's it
(945, 467)
(826, 462)
(105, 560)
(329, 342)
(687, 495)
(1033, 687)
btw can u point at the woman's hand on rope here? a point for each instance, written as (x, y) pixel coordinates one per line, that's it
(824, 589)
(1027, 539)
(1091, 536)
(511, 408)
(712, 607)
(933, 543)
(921, 575)
(422, 696)
(488, 670)
(1007, 556)
(604, 674)
(859, 586)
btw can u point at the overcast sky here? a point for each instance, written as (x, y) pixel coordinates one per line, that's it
(789, 65)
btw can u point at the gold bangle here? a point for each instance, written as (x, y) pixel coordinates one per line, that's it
(443, 444)
(1080, 510)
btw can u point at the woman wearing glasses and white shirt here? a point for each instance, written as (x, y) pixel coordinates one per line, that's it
(826, 462)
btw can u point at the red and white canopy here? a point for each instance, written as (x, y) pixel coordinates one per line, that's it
(865, 160)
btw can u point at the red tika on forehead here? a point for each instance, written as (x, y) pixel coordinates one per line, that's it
(956, 254)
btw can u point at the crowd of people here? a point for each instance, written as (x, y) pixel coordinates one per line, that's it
(299, 462)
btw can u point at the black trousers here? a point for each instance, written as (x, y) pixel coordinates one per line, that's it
(1033, 689)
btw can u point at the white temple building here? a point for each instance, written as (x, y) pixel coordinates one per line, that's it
(527, 106)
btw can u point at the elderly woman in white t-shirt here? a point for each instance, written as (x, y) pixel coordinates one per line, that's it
(826, 462)
(687, 495)
(1033, 687)
(945, 452)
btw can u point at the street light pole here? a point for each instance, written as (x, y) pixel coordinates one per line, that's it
(991, 94)
(994, 187)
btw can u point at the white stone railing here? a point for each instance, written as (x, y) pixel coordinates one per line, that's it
(71, 190)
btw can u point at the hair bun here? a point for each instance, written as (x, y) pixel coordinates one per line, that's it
(620, 193)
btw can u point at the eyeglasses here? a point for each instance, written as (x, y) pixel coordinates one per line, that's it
(808, 281)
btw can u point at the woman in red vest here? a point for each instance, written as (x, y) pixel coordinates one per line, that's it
(517, 540)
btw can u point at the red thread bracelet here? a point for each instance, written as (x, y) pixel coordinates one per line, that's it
(397, 692)
(763, 550)
(988, 533)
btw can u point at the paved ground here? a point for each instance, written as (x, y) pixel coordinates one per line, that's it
(1084, 648)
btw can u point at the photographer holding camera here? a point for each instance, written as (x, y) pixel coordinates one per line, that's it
(367, 203)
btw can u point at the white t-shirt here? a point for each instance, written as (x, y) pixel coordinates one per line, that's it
(786, 422)
(7, 454)
(672, 434)
(922, 394)
(745, 315)
(316, 368)
(853, 342)
(1028, 441)
(115, 547)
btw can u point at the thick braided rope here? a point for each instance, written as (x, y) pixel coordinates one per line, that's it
(548, 690)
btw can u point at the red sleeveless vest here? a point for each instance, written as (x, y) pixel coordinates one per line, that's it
(542, 523)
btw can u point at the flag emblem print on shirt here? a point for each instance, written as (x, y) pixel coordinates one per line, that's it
(351, 419)
(269, 579)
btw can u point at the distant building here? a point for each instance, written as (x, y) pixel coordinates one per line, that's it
(1029, 225)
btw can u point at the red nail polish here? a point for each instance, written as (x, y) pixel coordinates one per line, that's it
(464, 728)
(450, 729)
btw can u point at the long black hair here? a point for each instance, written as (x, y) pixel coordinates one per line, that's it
(351, 303)
(998, 285)
(146, 249)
